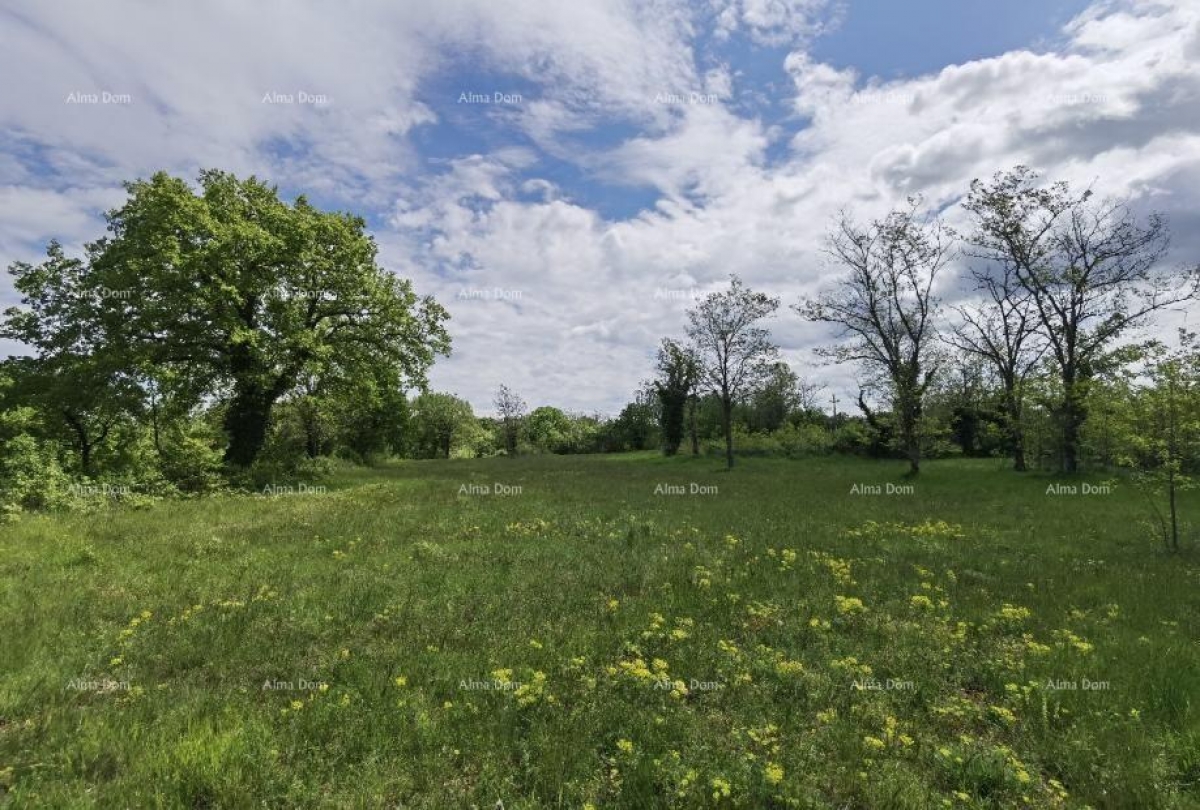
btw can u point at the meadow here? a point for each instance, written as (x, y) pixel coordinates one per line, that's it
(606, 632)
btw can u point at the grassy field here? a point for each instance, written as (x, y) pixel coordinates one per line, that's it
(774, 640)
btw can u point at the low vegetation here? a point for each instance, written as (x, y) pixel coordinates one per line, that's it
(572, 632)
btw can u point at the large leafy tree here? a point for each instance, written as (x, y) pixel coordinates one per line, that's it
(1092, 270)
(549, 429)
(238, 294)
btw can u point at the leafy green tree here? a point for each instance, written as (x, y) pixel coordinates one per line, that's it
(678, 373)
(886, 308)
(1161, 430)
(82, 400)
(636, 426)
(80, 388)
(777, 397)
(1092, 270)
(236, 293)
(440, 421)
(549, 430)
(734, 352)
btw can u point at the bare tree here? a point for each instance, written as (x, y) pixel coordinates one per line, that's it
(886, 307)
(734, 353)
(1092, 270)
(1002, 330)
(511, 410)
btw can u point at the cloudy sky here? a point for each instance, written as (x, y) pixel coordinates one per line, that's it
(566, 176)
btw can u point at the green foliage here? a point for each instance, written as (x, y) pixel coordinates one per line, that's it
(441, 424)
(191, 459)
(1092, 269)
(678, 374)
(30, 475)
(373, 602)
(789, 441)
(734, 352)
(635, 428)
(549, 430)
(1157, 428)
(774, 401)
(227, 292)
(510, 409)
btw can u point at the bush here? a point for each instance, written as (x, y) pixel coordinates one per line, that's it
(800, 441)
(790, 441)
(192, 464)
(31, 476)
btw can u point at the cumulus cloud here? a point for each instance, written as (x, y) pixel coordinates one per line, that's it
(549, 292)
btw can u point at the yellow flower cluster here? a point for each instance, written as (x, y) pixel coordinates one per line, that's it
(528, 528)
(534, 691)
(849, 605)
(786, 557)
(1013, 613)
(850, 665)
(928, 530)
(839, 568)
(187, 614)
(1068, 639)
(134, 623)
(773, 773)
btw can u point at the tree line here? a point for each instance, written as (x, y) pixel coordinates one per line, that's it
(219, 334)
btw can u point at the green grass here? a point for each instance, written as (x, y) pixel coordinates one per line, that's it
(595, 597)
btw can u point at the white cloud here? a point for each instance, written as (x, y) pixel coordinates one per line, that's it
(568, 306)
(774, 22)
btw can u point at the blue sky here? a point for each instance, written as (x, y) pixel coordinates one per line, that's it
(897, 40)
(644, 149)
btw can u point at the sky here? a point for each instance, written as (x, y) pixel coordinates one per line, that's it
(568, 178)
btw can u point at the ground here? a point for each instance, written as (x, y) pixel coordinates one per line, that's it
(415, 636)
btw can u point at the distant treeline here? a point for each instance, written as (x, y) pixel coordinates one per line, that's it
(219, 336)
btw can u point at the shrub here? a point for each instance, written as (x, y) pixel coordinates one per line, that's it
(31, 476)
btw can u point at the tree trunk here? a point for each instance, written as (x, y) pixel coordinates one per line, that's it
(910, 418)
(1072, 422)
(727, 423)
(82, 442)
(312, 444)
(695, 435)
(1016, 430)
(1172, 461)
(1019, 464)
(246, 424)
(1073, 415)
(154, 425)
